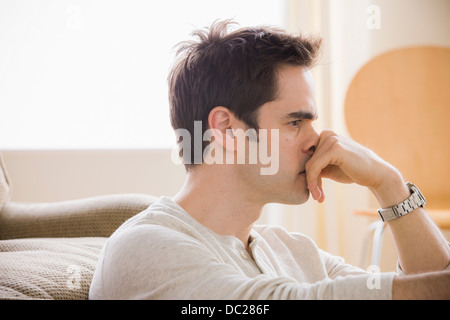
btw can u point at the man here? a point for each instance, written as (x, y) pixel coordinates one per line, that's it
(203, 243)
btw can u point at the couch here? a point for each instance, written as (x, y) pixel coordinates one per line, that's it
(50, 250)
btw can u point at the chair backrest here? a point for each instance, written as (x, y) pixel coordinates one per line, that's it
(398, 104)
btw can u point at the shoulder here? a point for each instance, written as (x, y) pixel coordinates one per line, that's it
(159, 232)
(163, 219)
(156, 229)
(141, 252)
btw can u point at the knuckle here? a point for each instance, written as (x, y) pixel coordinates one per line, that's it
(337, 144)
(327, 133)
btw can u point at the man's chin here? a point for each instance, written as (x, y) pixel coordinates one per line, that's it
(295, 199)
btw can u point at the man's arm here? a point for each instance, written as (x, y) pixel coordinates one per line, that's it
(420, 244)
(421, 247)
(425, 286)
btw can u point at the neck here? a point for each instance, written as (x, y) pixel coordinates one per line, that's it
(217, 199)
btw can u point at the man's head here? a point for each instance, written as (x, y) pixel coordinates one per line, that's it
(236, 70)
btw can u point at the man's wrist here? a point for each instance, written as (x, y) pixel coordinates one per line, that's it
(392, 190)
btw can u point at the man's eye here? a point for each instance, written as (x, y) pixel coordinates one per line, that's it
(295, 123)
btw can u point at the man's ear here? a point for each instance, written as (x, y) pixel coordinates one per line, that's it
(221, 122)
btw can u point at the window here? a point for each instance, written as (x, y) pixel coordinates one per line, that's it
(93, 74)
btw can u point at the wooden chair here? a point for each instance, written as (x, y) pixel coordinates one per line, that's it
(398, 105)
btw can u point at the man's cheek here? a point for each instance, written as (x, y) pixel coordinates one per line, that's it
(269, 157)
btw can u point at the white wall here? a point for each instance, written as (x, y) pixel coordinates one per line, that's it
(77, 74)
(57, 175)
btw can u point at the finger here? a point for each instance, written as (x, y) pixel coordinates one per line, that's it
(324, 137)
(319, 160)
(316, 192)
(322, 193)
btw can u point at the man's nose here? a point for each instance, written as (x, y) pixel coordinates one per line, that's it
(311, 150)
(312, 143)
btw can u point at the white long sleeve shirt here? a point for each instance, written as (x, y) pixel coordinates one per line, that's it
(164, 253)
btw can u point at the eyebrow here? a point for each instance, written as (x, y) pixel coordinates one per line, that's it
(302, 115)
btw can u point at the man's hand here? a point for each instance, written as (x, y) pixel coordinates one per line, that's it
(345, 161)
(421, 247)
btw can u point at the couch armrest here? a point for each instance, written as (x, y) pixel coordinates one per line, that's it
(89, 217)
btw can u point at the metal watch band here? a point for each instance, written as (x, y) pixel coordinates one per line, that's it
(413, 202)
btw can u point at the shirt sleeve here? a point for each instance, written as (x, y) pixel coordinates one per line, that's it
(155, 262)
(336, 266)
(364, 284)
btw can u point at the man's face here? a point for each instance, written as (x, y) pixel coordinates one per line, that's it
(292, 114)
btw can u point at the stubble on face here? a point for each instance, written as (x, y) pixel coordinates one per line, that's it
(295, 102)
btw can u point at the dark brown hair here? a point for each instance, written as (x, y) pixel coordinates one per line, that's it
(237, 70)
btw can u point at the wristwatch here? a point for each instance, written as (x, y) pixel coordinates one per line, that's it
(413, 202)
